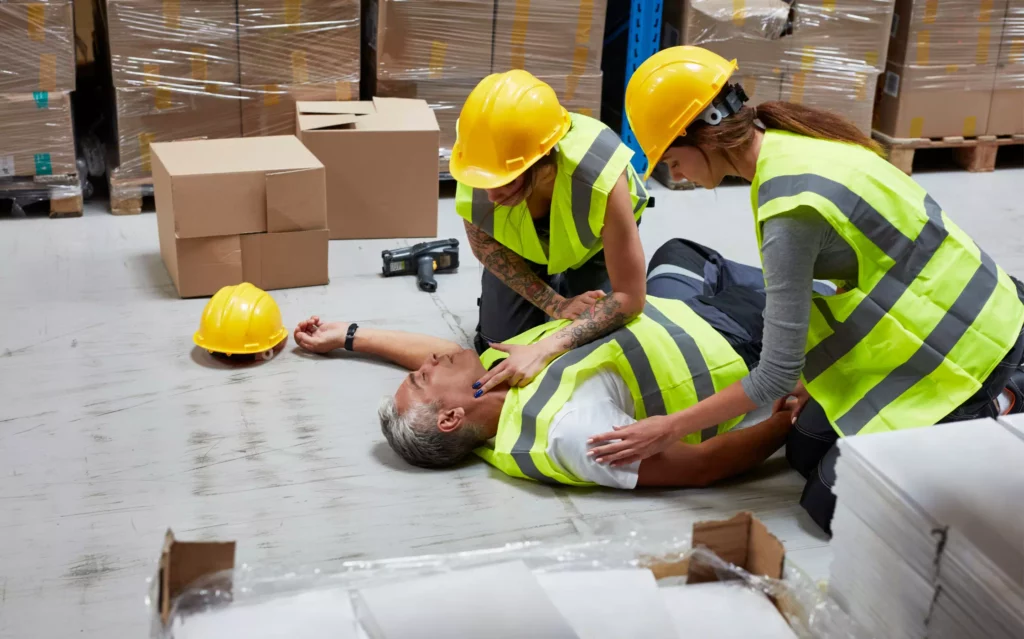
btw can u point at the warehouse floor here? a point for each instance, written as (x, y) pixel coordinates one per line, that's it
(114, 428)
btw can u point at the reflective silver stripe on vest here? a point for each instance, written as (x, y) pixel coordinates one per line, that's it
(910, 257)
(545, 391)
(585, 177)
(483, 212)
(931, 353)
(695, 362)
(650, 389)
(641, 192)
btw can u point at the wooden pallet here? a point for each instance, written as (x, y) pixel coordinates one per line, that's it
(973, 154)
(128, 196)
(62, 192)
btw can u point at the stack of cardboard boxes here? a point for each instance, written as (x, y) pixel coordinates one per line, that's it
(945, 59)
(37, 57)
(438, 50)
(823, 53)
(197, 69)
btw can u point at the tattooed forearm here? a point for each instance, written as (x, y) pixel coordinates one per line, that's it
(513, 270)
(602, 318)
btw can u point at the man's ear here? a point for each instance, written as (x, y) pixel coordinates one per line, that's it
(450, 420)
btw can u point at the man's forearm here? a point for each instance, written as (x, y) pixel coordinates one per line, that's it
(513, 271)
(409, 350)
(728, 403)
(721, 457)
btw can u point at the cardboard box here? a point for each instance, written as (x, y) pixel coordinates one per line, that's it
(359, 142)
(302, 42)
(183, 45)
(579, 94)
(428, 39)
(37, 47)
(930, 102)
(145, 116)
(946, 32)
(852, 36)
(274, 233)
(1006, 116)
(270, 109)
(850, 94)
(549, 37)
(36, 135)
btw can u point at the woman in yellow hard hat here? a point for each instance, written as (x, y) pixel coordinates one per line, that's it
(551, 207)
(924, 328)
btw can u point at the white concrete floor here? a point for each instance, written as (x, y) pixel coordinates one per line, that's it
(113, 428)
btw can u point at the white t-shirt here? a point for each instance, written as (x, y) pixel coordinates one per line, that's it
(598, 405)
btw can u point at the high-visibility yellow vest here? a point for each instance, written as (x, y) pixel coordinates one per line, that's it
(930, 315)
(669, 357)
(589, 160)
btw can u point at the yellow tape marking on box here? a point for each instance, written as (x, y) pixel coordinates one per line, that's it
(984, 37)
(923, 40)
(200, 73)
(985, 11)
(807, 58)
(797, 91)
(163, 99)
(739, 12)
(916, 126)
(871, 59)
(271, 95)
(861, 82)
(970, 126)
(36, 14)
(172, 14)
(749, 84)
(517, 44)
(343, 91)
(571, 83)
(587, 111)
(952, 68)
(48, 72)
(145, 140)
(300, 72)
(438, 51)
(150, 74)
(931, 8)
(293, 14)
(829, 5)
(1016, 55)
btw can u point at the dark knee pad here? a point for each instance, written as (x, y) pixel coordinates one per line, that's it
(817, 498)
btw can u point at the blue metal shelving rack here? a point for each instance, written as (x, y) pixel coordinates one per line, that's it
(644, 41)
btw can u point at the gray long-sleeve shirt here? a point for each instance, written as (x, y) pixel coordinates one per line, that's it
(796, 248)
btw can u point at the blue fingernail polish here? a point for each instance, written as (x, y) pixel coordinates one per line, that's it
(478, 393)
(477, 385)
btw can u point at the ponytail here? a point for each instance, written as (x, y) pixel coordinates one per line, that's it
(737, 131)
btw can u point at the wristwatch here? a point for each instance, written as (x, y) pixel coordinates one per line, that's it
(350, 336)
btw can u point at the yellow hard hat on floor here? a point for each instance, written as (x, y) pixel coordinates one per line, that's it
(667, 93)
(240, 320)
(508, 122)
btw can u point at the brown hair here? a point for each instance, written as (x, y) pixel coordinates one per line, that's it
(532, 173)
(736, 131)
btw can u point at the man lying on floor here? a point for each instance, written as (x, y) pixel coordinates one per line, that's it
(700, 331)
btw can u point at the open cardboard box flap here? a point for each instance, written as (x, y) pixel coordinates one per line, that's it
(382, 114)
(183, 562)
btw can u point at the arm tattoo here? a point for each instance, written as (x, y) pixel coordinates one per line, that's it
(603, 317)
(513, 270)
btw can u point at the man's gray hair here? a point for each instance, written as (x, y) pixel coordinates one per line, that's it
(415, 436)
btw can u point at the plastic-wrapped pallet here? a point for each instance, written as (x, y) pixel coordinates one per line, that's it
(941, 68)
(198, 69)
(438, 50)
(1007, 114)
(823, 53)
(37, 142)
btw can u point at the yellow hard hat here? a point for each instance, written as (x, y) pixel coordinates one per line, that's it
(508, 122)
(240, 320)
(668, 92)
